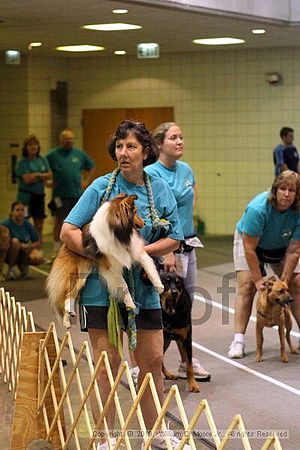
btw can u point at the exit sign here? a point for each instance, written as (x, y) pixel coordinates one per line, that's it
(148, 50)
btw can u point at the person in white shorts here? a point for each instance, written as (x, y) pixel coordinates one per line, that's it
(267, 233)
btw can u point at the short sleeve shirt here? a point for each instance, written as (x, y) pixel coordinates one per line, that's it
(274, 228)
(25, 166)
(24, 233)
(181, 180)
(67, 166)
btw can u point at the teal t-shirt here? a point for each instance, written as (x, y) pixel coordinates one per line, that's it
(275, 228)
(181, 180)
(67, 166)
(24, 166)
(95, 292)
(24, 233)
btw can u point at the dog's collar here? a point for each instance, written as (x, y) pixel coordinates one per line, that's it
(259, 313)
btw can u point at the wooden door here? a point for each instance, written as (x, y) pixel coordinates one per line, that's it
(98, 125)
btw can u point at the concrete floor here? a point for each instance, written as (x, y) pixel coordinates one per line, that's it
(265, 394)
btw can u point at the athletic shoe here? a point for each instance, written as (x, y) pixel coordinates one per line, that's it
(159, 441)
(200, 373)
(236, 350)
(11, 275)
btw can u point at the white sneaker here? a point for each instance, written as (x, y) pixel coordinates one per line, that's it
(104, 445)
(200, 373)
(11, 275)
(135, 374)
(236, 350)
(159, 441)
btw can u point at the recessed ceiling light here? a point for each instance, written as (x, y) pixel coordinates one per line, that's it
(219, 41)
(120, 52)
(120, 11)
(34, 44)
(80, 48)
(258, 31)
(112, 26)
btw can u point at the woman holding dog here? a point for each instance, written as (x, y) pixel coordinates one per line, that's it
(179, 176)
(32, 171)
(268, 232)
(132, 147)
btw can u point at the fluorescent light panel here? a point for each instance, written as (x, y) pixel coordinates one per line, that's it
(34, 44)
(219, 41)
(80, 48)
(120, 52)
(120, 11)
(111, 26)
(258, 31)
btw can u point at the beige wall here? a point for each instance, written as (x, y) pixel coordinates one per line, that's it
(229, 114)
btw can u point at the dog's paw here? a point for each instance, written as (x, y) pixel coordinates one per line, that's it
(170, 376)
(294, 351)
(284, 358)
(258, 358)
(193, 387)
(160, 288)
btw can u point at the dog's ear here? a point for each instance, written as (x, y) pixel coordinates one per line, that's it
(130, 199)
(270, 282)
(286, 281)
(121, 196)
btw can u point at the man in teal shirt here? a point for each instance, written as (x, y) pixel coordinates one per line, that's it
(72, 169)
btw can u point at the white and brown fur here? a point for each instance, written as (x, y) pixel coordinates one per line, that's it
(113, 242)
(273, 309)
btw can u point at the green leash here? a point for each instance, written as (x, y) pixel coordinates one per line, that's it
(114, 325)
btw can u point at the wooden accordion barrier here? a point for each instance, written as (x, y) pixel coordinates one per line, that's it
(45, 390)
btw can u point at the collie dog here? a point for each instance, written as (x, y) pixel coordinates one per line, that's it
(111, 242)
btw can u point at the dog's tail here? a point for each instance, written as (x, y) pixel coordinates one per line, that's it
(68, 270)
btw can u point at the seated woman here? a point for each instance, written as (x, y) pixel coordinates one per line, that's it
(20, 242)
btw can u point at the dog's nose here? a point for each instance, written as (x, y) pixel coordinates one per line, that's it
(174, 293)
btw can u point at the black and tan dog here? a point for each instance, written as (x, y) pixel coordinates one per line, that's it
(177, 323)
(273, 309)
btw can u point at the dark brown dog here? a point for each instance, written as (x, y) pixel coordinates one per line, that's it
(273, 309)
(177, 324)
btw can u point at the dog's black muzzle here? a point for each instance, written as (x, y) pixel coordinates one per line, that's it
(284, 303)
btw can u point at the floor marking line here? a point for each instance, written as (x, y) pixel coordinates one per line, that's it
(246, 369)
(36, 269)
(231, 311)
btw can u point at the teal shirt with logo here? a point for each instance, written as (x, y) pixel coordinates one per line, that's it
(274, 228)
(181, 180)
(24, 233)
(24, 166)
(67, 166)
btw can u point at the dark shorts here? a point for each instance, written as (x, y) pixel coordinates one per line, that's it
(67, 205)
(96, 317)
(36, 207)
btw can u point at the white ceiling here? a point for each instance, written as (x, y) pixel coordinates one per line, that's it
(58, 22)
